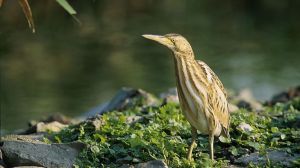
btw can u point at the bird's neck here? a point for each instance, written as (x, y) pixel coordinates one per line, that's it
(187, 57)
(182, 63)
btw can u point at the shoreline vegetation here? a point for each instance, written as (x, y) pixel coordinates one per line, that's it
(138, 129)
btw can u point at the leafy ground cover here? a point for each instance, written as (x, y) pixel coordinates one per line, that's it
(163, 133)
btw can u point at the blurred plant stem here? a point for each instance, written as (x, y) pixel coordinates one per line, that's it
(28, 14)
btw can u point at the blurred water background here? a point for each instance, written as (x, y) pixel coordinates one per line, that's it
(68, 68)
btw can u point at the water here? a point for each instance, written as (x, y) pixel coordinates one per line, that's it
(69, 68)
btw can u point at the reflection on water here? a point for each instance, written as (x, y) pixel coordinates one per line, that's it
(69, 68)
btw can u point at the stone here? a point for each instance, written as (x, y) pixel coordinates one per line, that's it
(23, 152)
(152, 164)
(285, 96)
(2, 164)
(50, 124)
(53, 126)
(232, 108)
(246, 100)
(59, 118)
(245, 127)
(275, 156)
(126, 159)
(128, 97)
(126, 166)
(170, 96)
(133, 119)
(28, 138)
(244, 104)
(124, 99)
(28, 167)
(95, 122)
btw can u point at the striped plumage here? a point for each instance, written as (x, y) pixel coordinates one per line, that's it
(201, 94)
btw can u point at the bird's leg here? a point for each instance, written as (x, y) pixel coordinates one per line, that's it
(211, 145)
(194, 136)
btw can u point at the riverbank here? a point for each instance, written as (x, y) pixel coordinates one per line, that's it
(137, 129)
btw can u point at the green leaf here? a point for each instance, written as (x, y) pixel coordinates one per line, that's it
(66, 6)
(95, 149)
(224, 139)
(274, 129)
(233, 150)
(255, 145)
(282, 136)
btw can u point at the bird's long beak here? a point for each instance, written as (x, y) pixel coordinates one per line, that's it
(160, 39)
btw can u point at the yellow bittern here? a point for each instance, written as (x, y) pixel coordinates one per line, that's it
(202, 97)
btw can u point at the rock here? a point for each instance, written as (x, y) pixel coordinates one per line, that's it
(245, 127)
(171, 96)
(126, 159)
(285, 96)
(53, 126)
(42, 127)
(126, 166)
(233, 166)
(99, 109)
(152, 164)
(53, 123)
(55, 117)
(96, 122)
(133, 119)
(128, 97)
(275, 156)
(246, 100)
(232, 108)
(23, 152)
(124, 99)
(28, 138)
(59, 118)
(2, 164)
(28, 167)
(244, 104)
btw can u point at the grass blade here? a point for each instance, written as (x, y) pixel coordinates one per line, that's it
(66, 6)
(27, 11)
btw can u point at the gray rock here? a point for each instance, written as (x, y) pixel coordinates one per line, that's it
(275, 156)
(124, 99)
(2, 164)
(96, 122)
(28, 138)
(171, 96)
(23, 152)
(285, 96)
(246, 100)
(126, 159)
(126, 166)
(152, 164)
(28, 167)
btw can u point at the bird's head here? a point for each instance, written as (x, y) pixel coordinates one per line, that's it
(175, 42)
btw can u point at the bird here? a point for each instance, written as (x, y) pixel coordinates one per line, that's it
(202, 97)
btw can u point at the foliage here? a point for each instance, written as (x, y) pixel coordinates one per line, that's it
(28, 14)
(163, 133)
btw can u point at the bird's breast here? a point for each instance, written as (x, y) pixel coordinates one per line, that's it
(191, 94)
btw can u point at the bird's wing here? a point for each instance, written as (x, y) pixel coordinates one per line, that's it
(216, 96)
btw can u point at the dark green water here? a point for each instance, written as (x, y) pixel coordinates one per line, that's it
(70, 68)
